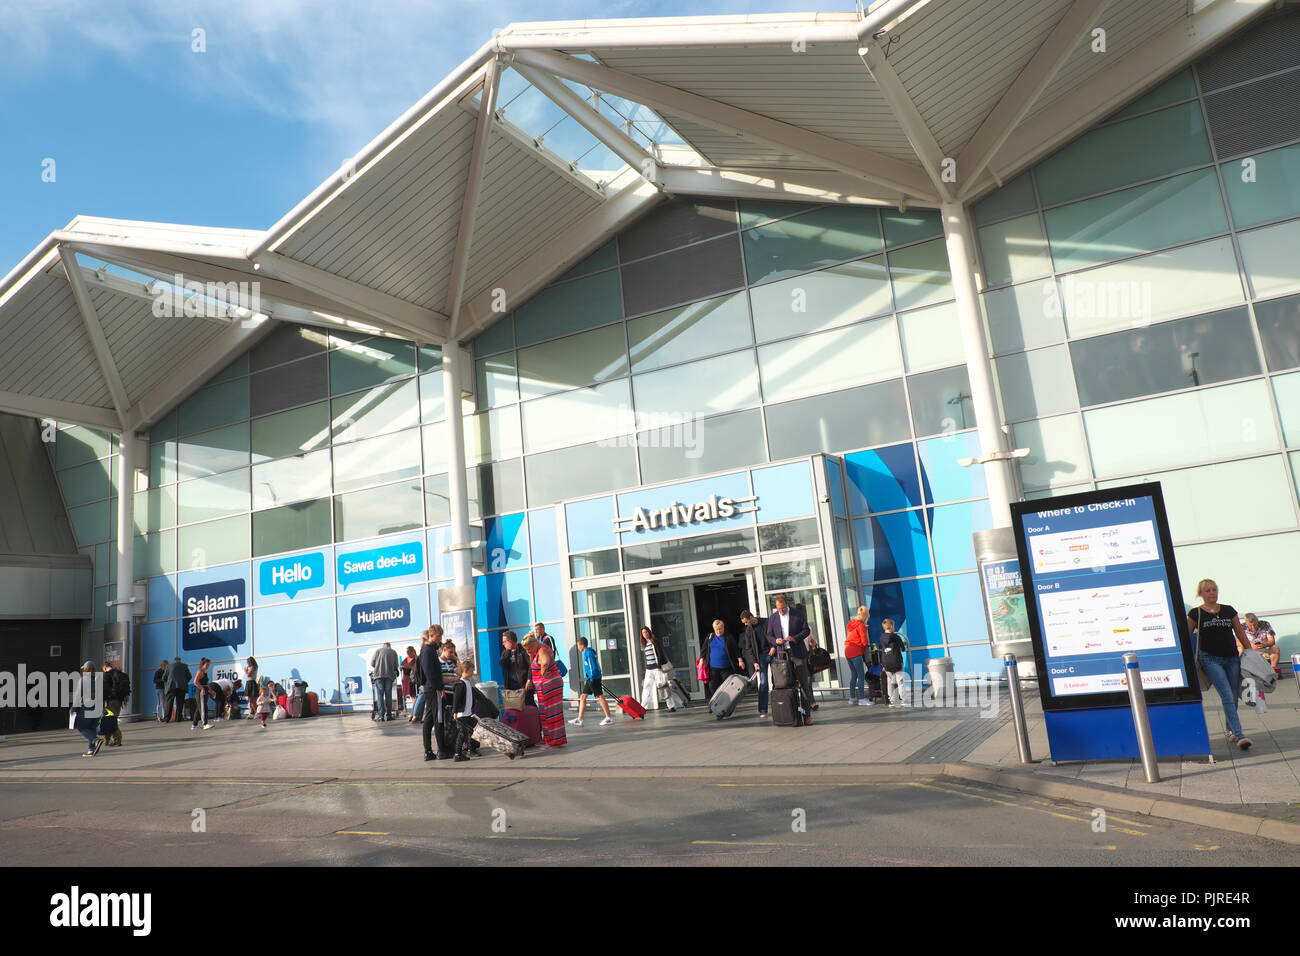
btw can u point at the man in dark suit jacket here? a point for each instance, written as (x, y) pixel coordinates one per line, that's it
(788, 630)
(756, 652)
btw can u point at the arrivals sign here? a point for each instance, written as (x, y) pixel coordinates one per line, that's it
(214, 615)
(677, 515)
(1099, 582)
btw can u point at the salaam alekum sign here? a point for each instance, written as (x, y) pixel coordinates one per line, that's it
(679, 515)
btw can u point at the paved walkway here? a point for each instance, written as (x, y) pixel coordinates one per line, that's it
(847, 741)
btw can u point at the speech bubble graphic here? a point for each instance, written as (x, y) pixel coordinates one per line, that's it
(380, 616)
(213, 615)
(289, 576)
(395, 560)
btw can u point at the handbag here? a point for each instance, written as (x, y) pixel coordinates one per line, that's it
(559, 664)
(819, 659)
(1202, 678)
(513, 699)
(702, 670)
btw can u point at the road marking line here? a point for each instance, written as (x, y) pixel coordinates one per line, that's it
(1109, 816)
(1021, 806)
(507, 836)
(1199, 847)
(804, 784)
(743, 843)
(362, 833)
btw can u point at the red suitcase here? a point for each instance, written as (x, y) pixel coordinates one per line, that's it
(313, 703)
(527, 721)
(631, 706)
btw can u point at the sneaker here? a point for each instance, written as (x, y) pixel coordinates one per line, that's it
(807, 721)
(762, 716)
(672, 710)
(207, 726)
(459, 757)
(576, 721)
(863, 702)
(607, 720)
(99, 745)
(89, 753)
(430, 755)
(1244, 743)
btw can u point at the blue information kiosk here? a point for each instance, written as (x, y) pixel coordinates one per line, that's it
(1100, 582)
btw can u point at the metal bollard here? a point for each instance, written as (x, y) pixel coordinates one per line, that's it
(1017, 707)
(1137, 699)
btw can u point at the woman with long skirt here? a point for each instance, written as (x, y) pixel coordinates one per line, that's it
(549, 685)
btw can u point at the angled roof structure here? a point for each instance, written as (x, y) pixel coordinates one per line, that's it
(454, 208)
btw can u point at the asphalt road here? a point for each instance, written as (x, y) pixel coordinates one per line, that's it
(656, 822)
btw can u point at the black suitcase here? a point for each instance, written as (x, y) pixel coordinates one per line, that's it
(782, 672)
(785, 708)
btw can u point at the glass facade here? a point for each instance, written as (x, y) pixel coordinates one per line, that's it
(1142, 297)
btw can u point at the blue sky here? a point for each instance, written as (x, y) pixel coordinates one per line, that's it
(140, 126)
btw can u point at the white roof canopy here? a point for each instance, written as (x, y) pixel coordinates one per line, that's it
(454, 208)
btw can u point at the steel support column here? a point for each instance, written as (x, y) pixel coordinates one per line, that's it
(125, 592)
(457, 492)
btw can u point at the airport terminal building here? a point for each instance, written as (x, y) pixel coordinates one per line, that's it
(823, 297)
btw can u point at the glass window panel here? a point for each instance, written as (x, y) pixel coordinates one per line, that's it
(1279, 327)
(1012, 199)
(375, 511)
(852, 418)
(1271, 193)
(951, 527)
(821, 300)
(437, 500)
(788, 575)
(1215, 423)
(164, 428)
(931, 337)
(1180, 86)
(701, 447)
(1123, 153)
(830, 360)
(595, 356)
(285, 343)
(701, 547)
(592, 563)
(211, 452)
(104, 561)
(1024, 316)
(673, 395)
(810, 241)
(388, 408)
(294, 527)
(572, 418)
(428, 357)
(90, 523)
(606, 257)
(215, 405)
(493, 435)
(1226, 499)
(570, 307)
(155, 554)
(1287, 390)
(914, 608)
(76, 445)
(290, 479)
(494, 381)
(86, 482)
(1252, 573)
(236, 369)
(1013, 251)
(892, 546)
(287, 387)
(945, 478)
(1160, 358)
(1147, 289)
(497, 337)
(1295, 468)
(941, 401)
(290, 433)
(920, 275)
(581, 470)
(433, 407)
(370, 362)
(494, 489)
(1270, 258)
(205, 498)
(911, 226)
(788, 534)
(1057, 453)
(595, 600)
(376, 460)
(437, 457)
(679, 335)
(155, 509)
(162, 463)
(677, 224)
(1136, 220)
(214, 542)
(684, 275)
(883, 479)
(599, 631)
(753, 212)
(1038, 383)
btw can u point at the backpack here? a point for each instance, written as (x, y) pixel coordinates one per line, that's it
(121, 688)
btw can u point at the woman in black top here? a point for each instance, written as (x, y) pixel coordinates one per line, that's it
(1218, 632)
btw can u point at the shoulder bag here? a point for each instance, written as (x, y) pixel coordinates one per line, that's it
(1202, 677)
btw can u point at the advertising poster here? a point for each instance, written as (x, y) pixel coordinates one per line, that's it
(115, 654)
(1005, 594)
(458, 627)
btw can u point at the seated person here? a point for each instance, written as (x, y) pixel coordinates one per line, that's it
(1263, 639)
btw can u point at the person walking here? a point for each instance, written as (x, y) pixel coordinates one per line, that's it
(756, 653)
(431, 668)
(549, 685)
(722, 657)
(160, 690)
(407, 666)
(117, 688)
(653, 653)
(855, 652)
(590, 684)
(178, 684)
(788, 631)
(385, 674)
(1218, 635)
(251, 687)
(265, 705)
(87, 708)
(201, 696)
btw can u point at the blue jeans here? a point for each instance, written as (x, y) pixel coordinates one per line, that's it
(762, 684)
(857, 678)
(418, 711)
(88, 727)
(384, 695)
(1225, 675)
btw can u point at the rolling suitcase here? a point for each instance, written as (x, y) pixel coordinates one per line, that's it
(528, 721)
(500, 737)
(313, 704)
(629, 705)
(725, 698)
(782, 672)
(785, 708)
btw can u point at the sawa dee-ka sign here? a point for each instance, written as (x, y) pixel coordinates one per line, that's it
(393, 561)
(214, 615)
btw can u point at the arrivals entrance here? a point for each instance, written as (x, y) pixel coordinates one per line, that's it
(681, 613)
